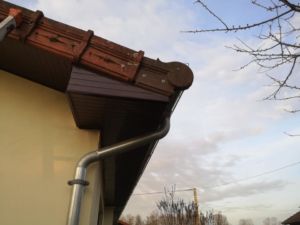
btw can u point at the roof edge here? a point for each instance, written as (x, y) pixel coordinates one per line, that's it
(83, 48)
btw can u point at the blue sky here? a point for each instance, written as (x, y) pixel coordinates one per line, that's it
(221, 130)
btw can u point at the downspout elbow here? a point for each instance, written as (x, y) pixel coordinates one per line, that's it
(124, 146)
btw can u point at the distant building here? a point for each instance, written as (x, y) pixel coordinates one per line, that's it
(293, 220)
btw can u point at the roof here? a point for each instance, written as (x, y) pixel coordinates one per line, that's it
(83, 48)
(110, 88)
(293, 219)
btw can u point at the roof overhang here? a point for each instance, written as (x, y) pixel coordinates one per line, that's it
(110, 87)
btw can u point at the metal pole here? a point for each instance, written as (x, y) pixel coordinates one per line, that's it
(77, 194)
(13, 20)
(79, 181)
(6, 25)
(197, 217)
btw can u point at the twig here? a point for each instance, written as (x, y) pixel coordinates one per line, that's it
(291, 135)
(227, 29)
(211, 12)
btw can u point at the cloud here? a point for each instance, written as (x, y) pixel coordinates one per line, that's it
(242, 190)
(199, 164)
(256, 207)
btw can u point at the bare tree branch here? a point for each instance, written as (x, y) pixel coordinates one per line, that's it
(291, 135)
(278, 50)
(292, 111)
(283, 83)
(238, 28)
(292, 6)
(212, 13)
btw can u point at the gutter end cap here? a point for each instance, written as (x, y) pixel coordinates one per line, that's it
(180, 75)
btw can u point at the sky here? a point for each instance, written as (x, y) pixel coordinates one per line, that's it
(221, 131)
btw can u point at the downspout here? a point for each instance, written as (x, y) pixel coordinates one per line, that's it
(12, 21)
(80, 182)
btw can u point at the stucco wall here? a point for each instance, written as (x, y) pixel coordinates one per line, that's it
(39, 147)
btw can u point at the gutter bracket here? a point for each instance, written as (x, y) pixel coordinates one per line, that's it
(82, 46)
(34, 20)
(78, 181)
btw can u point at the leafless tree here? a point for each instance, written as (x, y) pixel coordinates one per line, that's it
(153, 219)
(176, 211)
(246, 222)
(212, 218)
(130, 219)
(271, 221)
(138, 220)
(279, 48)
(220, 219)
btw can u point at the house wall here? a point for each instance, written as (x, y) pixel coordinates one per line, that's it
(39, 148)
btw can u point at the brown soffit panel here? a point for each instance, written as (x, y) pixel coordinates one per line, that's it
(95, 53)
(86, 82)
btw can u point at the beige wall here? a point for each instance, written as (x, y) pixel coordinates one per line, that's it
(39, 147)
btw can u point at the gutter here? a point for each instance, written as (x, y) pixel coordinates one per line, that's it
(79, 182)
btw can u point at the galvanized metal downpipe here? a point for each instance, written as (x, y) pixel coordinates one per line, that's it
(12, 21)
(79, 181)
